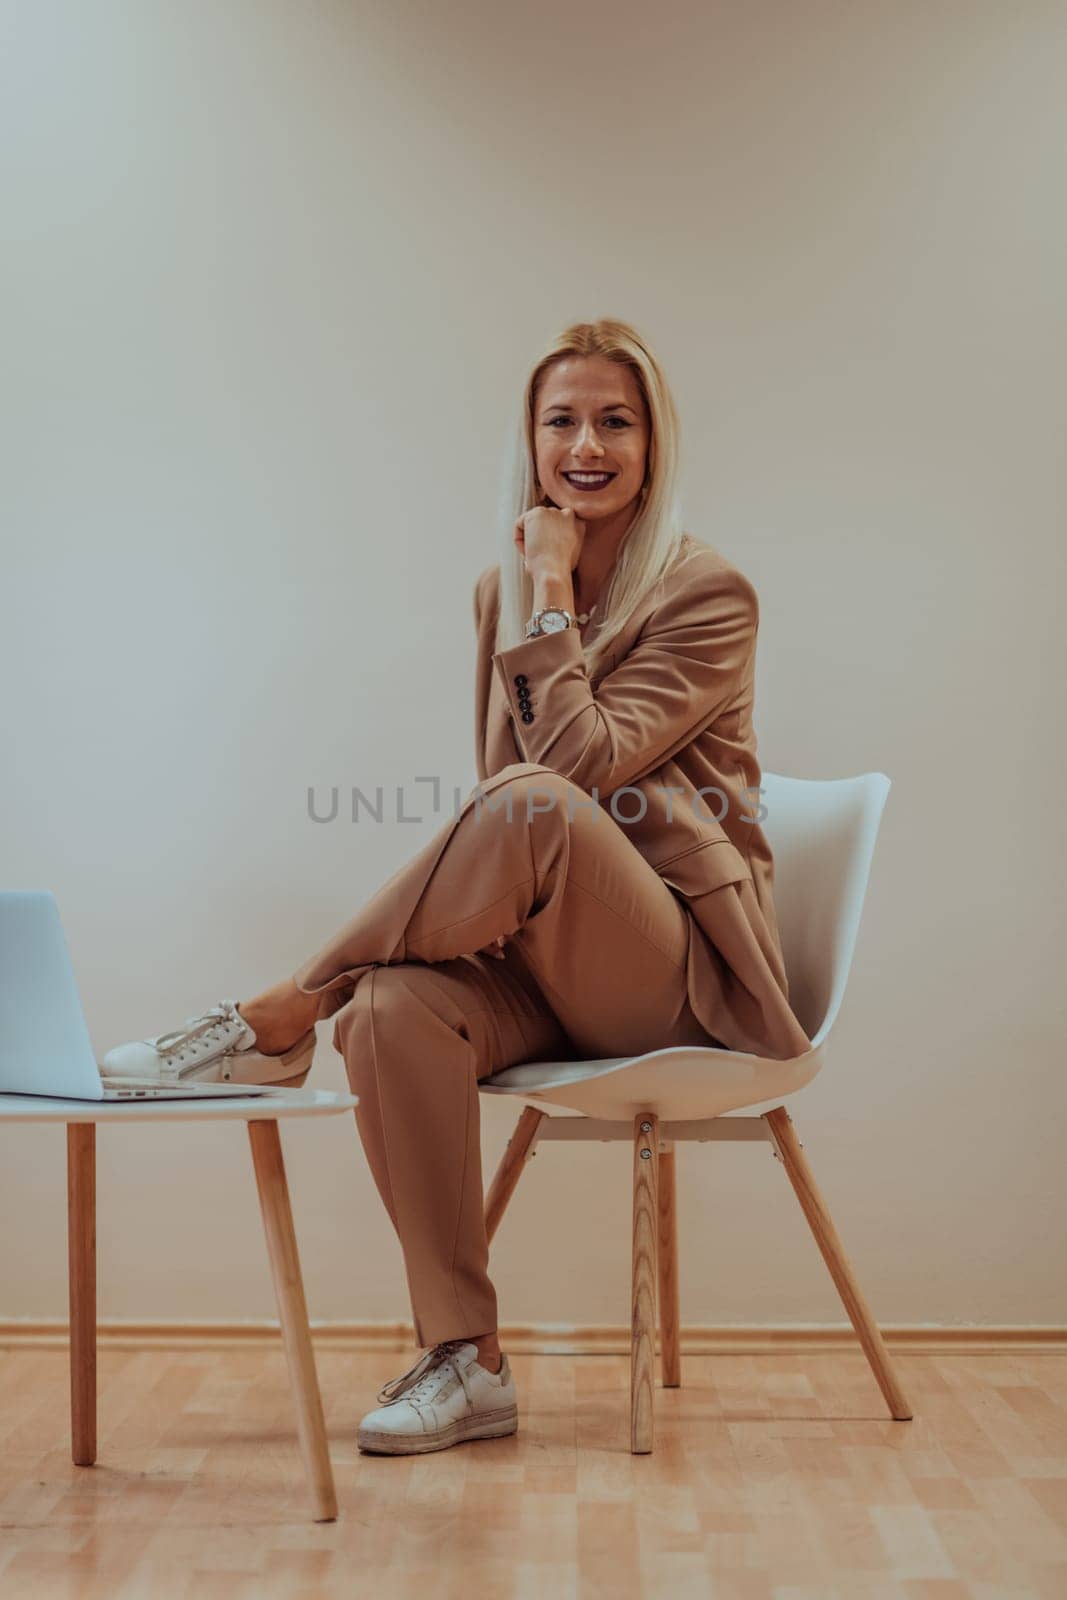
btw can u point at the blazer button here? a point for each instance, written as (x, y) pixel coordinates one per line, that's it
(524, 697)
(527, 716)
(520, 678)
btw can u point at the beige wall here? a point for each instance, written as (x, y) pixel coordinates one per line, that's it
(272, 275)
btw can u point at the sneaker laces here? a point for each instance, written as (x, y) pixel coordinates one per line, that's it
(202, 1027)
(416, 1384)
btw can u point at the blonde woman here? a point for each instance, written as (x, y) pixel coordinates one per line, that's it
(588, 900)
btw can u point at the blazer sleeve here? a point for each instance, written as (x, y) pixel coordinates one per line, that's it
(682, 672)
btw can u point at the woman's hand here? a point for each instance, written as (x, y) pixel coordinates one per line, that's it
(550, 539)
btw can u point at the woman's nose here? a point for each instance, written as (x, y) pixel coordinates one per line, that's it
(588, 443)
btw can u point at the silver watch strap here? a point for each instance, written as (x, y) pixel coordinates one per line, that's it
(533, 627)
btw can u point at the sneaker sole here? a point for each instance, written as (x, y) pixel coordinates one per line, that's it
(486, 1425)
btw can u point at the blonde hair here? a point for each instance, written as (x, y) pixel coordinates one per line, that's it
(654, 538)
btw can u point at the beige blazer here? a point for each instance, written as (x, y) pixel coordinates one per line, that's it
(665, 727)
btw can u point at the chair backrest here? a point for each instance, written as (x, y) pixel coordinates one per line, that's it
(822, 833)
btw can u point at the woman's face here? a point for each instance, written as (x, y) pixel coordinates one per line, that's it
(590, 417)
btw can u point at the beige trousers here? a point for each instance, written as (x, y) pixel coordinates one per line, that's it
(594, 965)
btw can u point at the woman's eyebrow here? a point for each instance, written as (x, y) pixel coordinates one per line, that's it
(615, 405)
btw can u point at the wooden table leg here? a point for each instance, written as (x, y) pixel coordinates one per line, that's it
(81, 1261)
(292, 1312)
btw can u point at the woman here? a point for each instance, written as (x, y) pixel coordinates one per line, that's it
(585, 901)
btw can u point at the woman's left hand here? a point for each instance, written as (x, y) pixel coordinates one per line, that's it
(550, 538)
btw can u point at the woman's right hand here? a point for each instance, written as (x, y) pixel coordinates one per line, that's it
(549, 538)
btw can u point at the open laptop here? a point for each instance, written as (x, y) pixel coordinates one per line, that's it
(45, 1047)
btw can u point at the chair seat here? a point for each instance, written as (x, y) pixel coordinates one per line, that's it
(683, 1082)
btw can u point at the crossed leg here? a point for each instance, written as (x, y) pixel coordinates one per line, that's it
(596, 947)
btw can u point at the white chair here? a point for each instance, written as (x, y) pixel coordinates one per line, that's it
(823, 836)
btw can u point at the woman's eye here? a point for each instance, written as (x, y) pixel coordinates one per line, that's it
(620, 420)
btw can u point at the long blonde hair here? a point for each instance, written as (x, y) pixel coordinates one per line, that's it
(654, 538)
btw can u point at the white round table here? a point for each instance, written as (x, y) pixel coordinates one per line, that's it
(262, 1113)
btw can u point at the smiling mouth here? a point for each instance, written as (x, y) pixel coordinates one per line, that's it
(589, 480)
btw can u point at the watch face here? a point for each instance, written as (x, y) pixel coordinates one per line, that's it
(553, 622)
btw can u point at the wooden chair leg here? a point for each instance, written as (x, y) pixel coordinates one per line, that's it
(292, 1312)
(667, 1256)
(81, 1264)
(643, 1305)
(520, 1148)
(833, 1253)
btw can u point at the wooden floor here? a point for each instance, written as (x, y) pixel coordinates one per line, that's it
(773, 1476)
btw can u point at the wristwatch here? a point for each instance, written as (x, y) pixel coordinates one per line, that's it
(550, 619)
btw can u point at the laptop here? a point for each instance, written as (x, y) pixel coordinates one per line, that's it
(45, 1047)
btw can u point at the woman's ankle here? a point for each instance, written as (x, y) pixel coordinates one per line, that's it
(279, 1016)
(489, 1354)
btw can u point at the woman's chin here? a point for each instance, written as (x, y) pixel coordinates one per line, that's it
(591, 499)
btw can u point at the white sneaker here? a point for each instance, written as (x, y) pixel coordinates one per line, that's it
(447, 1396)
(216, 1047)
